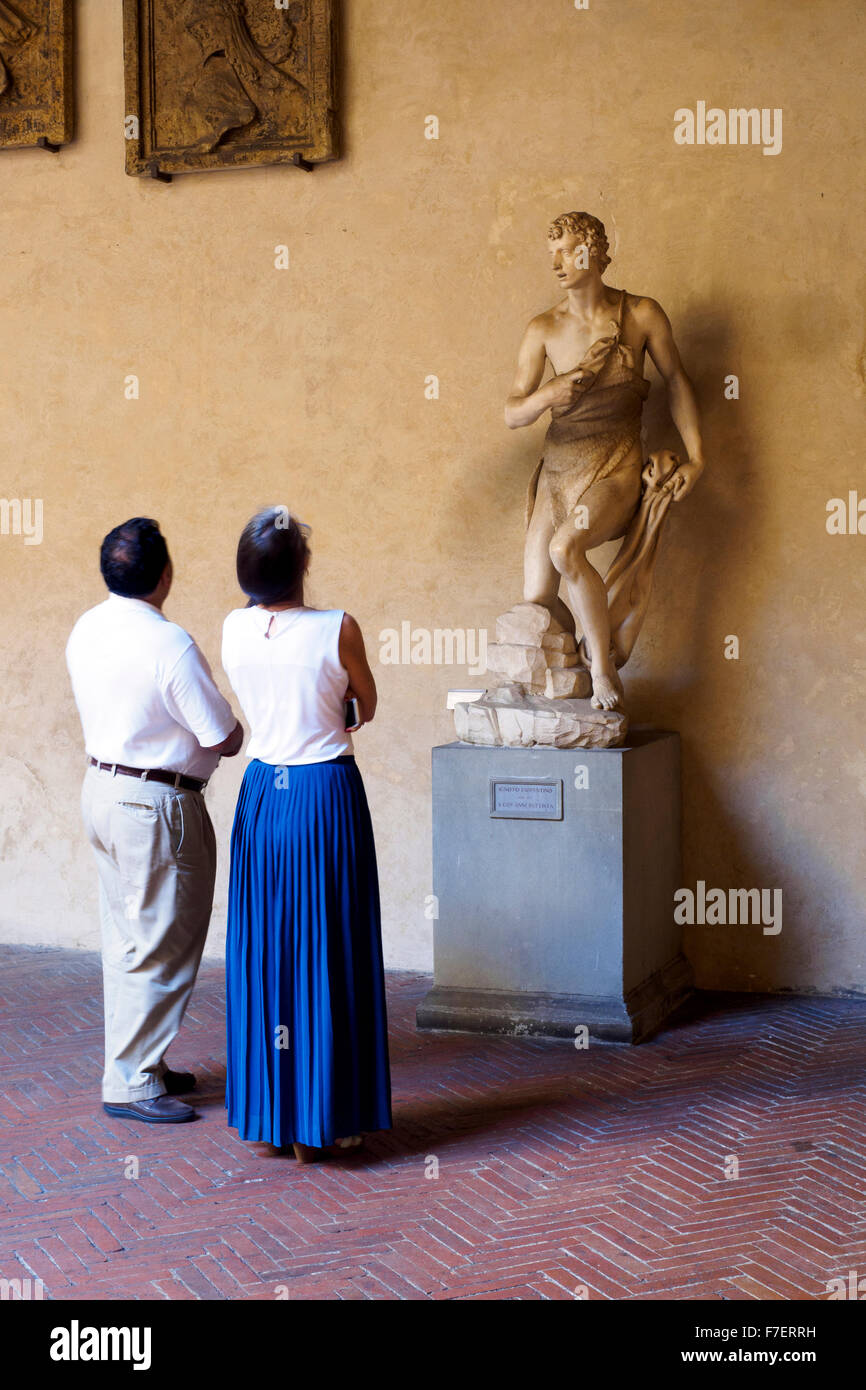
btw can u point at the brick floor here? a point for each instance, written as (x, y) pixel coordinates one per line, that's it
(561, 1173)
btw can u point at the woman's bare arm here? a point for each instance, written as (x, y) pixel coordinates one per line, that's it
(354, 657)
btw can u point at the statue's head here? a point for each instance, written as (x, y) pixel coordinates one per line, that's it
(577, 239)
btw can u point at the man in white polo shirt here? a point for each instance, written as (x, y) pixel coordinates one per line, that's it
(155, 727)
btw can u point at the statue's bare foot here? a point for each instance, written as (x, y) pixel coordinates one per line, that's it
(606, 691)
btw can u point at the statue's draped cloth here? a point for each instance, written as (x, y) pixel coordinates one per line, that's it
(594, 438)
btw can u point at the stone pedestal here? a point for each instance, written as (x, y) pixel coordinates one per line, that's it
(555, 872)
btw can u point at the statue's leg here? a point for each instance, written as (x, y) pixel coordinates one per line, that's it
(630, 577)
(610, 505)
(541, 579)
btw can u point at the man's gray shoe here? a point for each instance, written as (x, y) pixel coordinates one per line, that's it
(160, 1110)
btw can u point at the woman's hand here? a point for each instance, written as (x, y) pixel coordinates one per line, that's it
(350, 695)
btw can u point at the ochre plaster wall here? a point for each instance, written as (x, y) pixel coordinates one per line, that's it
(411, 257)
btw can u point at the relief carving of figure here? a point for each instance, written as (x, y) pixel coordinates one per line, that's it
(15, 30)
(242, 81)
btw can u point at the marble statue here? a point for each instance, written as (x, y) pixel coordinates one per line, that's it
(591, 485)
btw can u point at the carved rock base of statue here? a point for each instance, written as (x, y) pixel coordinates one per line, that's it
(513, 716)
(533, 649)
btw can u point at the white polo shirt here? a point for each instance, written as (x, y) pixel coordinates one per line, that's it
(144, 691)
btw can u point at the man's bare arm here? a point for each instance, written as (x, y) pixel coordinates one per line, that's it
(231, 745)
(681, 397)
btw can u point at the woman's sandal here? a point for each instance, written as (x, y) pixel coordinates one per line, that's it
(306, 1153)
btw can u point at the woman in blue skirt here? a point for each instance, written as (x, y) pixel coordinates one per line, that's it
(306, 1019)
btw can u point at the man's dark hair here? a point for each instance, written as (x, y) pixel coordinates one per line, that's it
(272, 557)
(133, 557)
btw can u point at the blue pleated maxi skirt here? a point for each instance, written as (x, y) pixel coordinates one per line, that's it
(307, 1047)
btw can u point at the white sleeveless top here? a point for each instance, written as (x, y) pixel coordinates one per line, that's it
(291, 684)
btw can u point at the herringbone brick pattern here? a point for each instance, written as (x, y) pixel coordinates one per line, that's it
(605, 1173)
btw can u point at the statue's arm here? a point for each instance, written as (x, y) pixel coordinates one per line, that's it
(526, 402)
(529, 398)
(681, 396)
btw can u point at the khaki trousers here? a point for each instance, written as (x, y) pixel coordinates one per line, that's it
(156, 856)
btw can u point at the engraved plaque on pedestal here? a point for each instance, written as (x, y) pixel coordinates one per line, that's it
(525, 799)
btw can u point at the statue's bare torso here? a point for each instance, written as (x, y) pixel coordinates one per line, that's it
(566, 340)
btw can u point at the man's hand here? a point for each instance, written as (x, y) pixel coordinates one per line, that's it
(681, 482)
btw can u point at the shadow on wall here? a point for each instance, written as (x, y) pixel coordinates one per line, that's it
(680, 677)
(708, 537)
(718, 544)
(724, 853)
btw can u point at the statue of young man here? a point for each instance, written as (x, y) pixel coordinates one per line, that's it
(591, 484)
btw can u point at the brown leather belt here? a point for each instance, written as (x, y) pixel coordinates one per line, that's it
(160, 774)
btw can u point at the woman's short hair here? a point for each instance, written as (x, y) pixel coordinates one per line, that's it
(272, 556)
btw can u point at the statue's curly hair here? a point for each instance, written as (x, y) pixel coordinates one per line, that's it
(588, 228)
